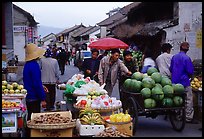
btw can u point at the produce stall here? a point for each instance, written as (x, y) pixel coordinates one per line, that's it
(13, 108)
(196, 84)
(95, 110)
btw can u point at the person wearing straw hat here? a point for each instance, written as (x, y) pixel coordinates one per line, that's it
(32, 79)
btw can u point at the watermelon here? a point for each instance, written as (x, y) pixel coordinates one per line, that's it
(151, 70)
(135, 85)
(159, 85)
(148, 82)
(178, 88)
(137, 75)
(165, 81)
(167, 102)
(149, 103)
(132, 85)
(146, 92)
(145, 75)
(156, 76)
(168, 91)
(157, 93)
(178, 101)
(127, 84)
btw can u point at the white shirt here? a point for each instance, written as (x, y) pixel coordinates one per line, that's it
(163, 62)
(149, 61)
(50, 72)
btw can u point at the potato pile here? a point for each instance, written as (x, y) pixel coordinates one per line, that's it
(110, 132)
(54, 118)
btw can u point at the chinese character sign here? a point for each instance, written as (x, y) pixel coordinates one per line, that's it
(199, 38)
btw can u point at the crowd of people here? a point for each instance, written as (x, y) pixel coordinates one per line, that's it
(43, 68)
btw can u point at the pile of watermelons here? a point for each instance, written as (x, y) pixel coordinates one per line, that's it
(157, 90)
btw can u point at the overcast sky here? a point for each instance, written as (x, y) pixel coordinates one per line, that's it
(68, 14)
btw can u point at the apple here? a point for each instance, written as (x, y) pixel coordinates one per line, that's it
(11, 91)
(17, 91)
(6, 91)
(4, 83)
(23, 91)
(10, 87)
(15, 85)
(3, 87)
(20, 87)
(83, 103)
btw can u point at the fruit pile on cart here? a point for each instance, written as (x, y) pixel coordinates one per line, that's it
(152, 94)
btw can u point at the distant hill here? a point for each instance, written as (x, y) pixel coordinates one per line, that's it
(45, 30)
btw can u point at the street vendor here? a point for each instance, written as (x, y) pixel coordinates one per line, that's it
(35, 97)
(109, 68)
(90, 66)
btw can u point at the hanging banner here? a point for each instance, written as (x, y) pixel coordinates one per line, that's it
(199, 39)
(191, 38)
(19, 28)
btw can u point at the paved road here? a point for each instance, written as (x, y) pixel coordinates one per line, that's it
(147, 127)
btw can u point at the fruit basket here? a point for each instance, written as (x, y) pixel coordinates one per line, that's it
(52, 126)
(109, 109)
(51, 120)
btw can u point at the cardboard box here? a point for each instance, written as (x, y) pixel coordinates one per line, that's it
(52, 133)
(123, 128)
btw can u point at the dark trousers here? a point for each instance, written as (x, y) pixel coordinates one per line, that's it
(32, 107)
(50, 96)
(62, 66)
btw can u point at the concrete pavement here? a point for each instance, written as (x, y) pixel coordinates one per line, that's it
(147, 127)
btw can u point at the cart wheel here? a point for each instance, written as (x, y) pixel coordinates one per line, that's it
(178, 119)
(133, 111)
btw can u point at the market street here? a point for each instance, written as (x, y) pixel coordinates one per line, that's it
(147, 127)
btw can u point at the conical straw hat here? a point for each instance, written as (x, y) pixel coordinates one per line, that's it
(32, 51)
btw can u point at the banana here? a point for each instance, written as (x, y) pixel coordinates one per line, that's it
(84, 122)
(86, 117)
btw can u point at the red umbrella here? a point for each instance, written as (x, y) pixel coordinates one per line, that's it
(108, 43)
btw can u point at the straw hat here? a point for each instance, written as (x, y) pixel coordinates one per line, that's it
(32, 51)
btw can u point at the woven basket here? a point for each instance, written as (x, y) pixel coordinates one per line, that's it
(100, 110)
(52, 126)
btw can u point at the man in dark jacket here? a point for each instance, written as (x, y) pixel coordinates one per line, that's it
(90, 66)
(62, 58)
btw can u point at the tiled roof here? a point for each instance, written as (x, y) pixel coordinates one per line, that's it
(95, 28)
(69, 29)
(28, 15)
(119, 15)
(78, 33)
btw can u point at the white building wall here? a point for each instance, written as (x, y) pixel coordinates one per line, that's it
(190, 15)
(93, 36)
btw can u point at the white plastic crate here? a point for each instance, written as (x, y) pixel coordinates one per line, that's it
(88, 130)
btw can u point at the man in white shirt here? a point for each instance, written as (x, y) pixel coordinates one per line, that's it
(163, 61)
(50, 75)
